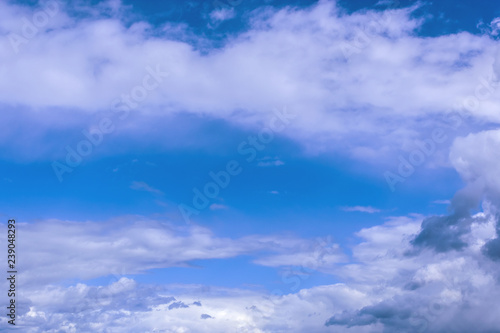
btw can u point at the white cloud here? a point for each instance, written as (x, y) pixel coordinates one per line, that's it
(383, 289)
(441, 202)
(389, 91)
(216, 206)
(476, 158)
(142, 186)
(269, 162)
(131, 245)
(222, 14)
(449, 280)
(363, 209)
(127, 306)
(321, 255)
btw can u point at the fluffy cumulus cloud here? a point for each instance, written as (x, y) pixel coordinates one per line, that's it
(349, 77)
(222, 14)
(476, 158)
(442, 275)
(384, 286)
(432, 291)
(125, 306)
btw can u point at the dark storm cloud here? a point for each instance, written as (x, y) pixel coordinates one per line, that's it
(492, 248)
(443, 233)
(390, 313)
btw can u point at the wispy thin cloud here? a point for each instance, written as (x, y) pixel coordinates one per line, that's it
(270, 161)
(223, 14)
(362, 209)
(142, 186)
(218, 206)
(441, 202)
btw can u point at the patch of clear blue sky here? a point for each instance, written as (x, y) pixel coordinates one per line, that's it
(310, 189)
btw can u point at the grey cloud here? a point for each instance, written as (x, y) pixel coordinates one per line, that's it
(413, 285)
(390, 313)
(492, 248)
(430, 292)
(85, 306)
(443, 233)
(177, 305)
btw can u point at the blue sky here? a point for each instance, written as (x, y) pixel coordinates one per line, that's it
(372, 168)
